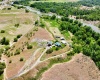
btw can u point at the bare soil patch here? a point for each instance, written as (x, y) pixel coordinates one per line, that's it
(43, 34)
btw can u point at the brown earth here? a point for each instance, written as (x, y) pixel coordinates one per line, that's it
(79, 68)
(43, 34)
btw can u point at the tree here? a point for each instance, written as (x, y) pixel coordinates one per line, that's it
(18, 36)
(29, 46)
(98, 41)
(2, 31)
(26, 10)
(17, 25)
(36, 22)
(4, 41)
(15, 39)
(53, 17)
(76, 22)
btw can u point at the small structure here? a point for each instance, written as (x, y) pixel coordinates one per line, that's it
(57, 36)
(64, 42)
(58, 44)
(49, 43)
(62, 38)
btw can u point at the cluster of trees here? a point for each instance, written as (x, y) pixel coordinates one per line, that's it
(67, 9)
(85, 40)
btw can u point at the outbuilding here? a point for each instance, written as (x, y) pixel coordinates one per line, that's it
(58, 44)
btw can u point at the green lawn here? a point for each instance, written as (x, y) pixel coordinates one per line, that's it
(66, 35)
(53, 23)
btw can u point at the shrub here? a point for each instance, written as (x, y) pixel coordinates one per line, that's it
(2, 31)
(49, 51)
(26, 10)
(29, 46)
(7, 48)
(53, 17)
(57, 48)
(18, 36)
(15, 39)
(17, 52)
(4, 41)
(21, 59)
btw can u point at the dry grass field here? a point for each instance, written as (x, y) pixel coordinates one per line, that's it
(43, 34)
(8, 19)
(79, 68)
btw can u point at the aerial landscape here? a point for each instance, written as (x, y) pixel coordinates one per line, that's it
(49, 39)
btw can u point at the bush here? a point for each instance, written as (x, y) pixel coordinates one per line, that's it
(17, 52)
(26, 10)
(21, 59)
(53, 17)
(17, 25)
(10, 61)
(7, 48)
(49, 51)
(4, 41)
(2, 31)
(15, 39)
(29, 46)
(57, 48)
(18, 36)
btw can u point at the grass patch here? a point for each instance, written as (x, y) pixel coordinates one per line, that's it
(66, 34)
(53, 23)
(51, 63)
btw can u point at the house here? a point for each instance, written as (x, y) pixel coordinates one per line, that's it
(58, 44)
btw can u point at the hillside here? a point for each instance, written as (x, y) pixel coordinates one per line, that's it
(79, 68)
